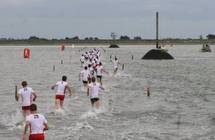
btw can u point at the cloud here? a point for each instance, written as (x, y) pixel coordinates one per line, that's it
(100, 17)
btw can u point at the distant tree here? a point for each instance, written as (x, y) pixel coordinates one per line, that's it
(86, 38)
(137, 38)
(96, 38)
(75, 38)
(66, 38)
(124, 37)
(210, 36)
(90, 38)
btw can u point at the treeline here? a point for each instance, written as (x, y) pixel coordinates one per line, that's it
(123, 39)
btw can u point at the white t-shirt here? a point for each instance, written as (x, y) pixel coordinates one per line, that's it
(115, 64)
(85, 74)
(61, 85)
(94, 90)
(91, 71)
(36, 122)
(99, 70)
(26, 96)
(82, 59)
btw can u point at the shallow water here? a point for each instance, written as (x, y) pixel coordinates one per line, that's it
(181, 105)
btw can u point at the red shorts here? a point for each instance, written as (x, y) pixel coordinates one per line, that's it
(25, 108)
(36, 137)
(60, 97)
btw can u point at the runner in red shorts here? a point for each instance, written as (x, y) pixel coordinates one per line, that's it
(27, 95)
(37, 124)
(62, 87)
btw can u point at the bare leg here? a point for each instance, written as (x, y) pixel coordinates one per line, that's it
(25, 113)
(61, 104)
(57, 104)
(99, 80)
(97, 104)
(85, 86)
(28, 112)
(92, 104)
(114, 72)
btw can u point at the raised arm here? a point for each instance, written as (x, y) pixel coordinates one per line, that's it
(101, 87)
(103, 70)
(119, 63)
(52, 87)
(35, 96)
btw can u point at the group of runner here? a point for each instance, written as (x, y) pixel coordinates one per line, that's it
(91, 76)
(33, 120)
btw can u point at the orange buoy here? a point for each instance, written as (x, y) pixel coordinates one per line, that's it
(62, 47)
(26, 53)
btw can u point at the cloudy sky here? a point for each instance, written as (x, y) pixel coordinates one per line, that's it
(68, 18)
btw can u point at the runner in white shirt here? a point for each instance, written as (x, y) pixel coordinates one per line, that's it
(93, 92)
(84, 76)
(91, 70)
(27, 97)
(82, 60)
(62, 87)
(37, 124)
(99, 72)
(115, 65)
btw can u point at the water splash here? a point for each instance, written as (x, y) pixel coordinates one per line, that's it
(89, 114)
(60, 111)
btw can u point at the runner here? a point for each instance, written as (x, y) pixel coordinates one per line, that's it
(99, 72)
(27, 95)
(84, 76)
(62, 87)
(91, 70)
(37, 124)
(115, 65)
(82, 60)
(93, 92)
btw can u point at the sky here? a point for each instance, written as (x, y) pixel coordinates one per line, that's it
(98, 18)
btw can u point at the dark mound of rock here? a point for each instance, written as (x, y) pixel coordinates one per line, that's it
(113, 46)
(157, 54)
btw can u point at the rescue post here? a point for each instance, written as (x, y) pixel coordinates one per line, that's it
(26, 53)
